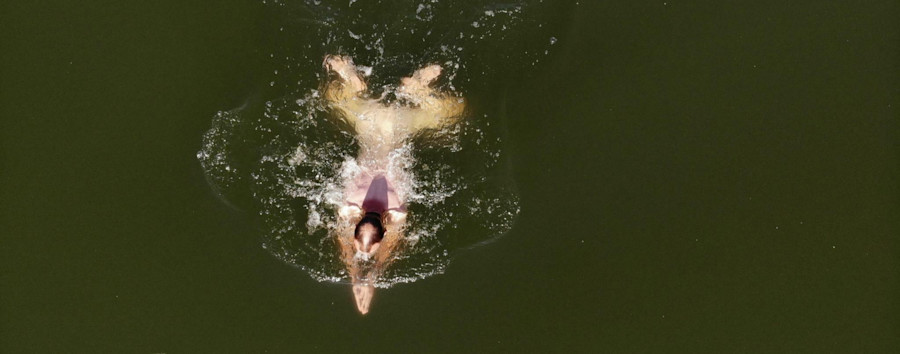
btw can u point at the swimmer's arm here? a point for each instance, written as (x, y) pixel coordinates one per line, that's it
(347, 254)
(395, 217)
(348, 212)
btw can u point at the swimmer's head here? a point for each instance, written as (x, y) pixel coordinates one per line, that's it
(368, 234)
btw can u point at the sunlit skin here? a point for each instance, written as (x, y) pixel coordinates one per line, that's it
(380, 129)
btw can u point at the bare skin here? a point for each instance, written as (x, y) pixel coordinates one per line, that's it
(381, 129)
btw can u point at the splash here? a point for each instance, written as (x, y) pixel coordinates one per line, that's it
(287, 159)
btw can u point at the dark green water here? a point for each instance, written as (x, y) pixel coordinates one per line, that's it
(692, 178)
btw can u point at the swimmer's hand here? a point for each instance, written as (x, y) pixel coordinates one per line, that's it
(363, 293)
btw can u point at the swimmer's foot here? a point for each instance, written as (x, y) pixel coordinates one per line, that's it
(416, 88)
(427, 74)
(343, 66)
(421, 78)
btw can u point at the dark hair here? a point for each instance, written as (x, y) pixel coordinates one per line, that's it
(375, 220)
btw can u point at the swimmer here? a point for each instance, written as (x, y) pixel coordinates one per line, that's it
(374, 209)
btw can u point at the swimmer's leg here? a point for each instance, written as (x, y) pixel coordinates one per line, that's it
(417, 88)
(350, 81)
(344, 91)
(435, 109)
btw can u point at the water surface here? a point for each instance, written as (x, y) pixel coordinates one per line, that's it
(690, 178)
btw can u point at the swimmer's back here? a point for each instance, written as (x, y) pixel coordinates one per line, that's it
(374, 193)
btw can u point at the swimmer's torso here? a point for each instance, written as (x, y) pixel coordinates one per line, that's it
(373, 192)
